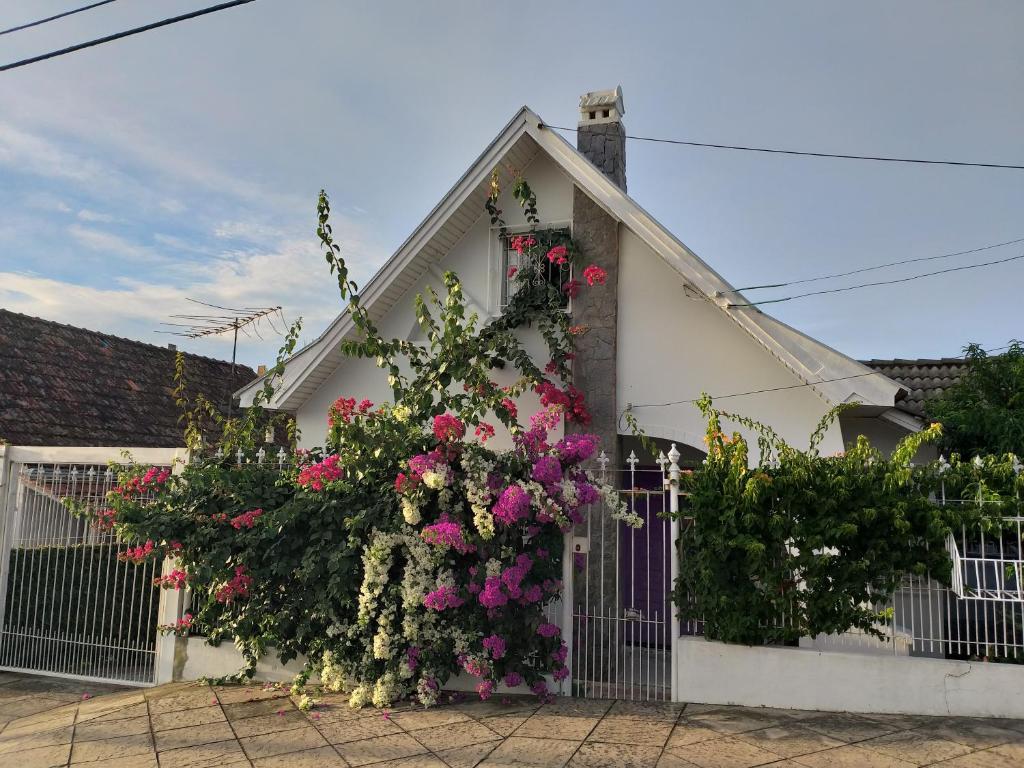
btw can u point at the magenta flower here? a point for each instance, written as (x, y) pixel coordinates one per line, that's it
(442, 597)
(485, 689)
(513, 505)
(448, 428)
(496, 645)
(513, 679)
(447, 534)
(547, 470)
(492, 596)
(577, 447)
(549, 630)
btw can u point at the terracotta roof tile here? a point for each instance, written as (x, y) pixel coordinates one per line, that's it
(61, 385)
(923, 379)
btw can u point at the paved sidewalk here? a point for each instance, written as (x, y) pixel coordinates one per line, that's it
(47, 722)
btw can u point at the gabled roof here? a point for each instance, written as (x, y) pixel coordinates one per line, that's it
(836, 377)
(61, 385)
(922, 379)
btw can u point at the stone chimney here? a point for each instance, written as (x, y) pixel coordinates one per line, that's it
(602, 136)
(601, 139)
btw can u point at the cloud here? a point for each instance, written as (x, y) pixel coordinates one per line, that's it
(289, 275)
(86, 215)
(111, 244)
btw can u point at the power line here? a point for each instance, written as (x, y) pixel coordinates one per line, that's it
(801, 153)
(54, 18)
(126, 33)
(878, 282)
(634, 406)
(881, 266)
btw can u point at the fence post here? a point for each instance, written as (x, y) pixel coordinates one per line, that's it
(565, 687)
(673, 507)
(169, 608)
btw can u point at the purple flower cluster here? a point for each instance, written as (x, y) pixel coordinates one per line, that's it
(443, 597)
(549, 630)
(577, 447)
(547, 470)
(496, 645)
(447, 534)
(513, 679)
(514, 505)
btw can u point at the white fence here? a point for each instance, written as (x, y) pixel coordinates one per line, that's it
(69, 606)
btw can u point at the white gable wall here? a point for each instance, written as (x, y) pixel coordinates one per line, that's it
(474, 260)
(673, 344)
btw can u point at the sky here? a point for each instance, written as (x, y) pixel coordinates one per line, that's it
(185, 162)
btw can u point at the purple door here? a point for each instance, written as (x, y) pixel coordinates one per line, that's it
(644, 560)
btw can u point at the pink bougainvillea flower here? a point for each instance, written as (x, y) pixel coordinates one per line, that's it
(484, 431)
(512, 272)
(341, 411)
(578, 330)
(520, 243)
(513, 679)
(86, 696)
(386, 715)
(237, 587)
(571, 288)
(513, 505)
(558, 255)
(496, 645)
(547, 470)
(549, 630)
(447, 534)
(448, 428)
(316, 476)
(443, 597)
(594, 275)
(510, 407)
(485, 689)
(246, 519)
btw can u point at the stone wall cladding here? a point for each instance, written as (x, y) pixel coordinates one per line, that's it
(604, 144)
(597, 236)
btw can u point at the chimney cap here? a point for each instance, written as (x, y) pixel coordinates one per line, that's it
(602, 106)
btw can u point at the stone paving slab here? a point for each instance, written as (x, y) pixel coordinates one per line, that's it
(47, 722)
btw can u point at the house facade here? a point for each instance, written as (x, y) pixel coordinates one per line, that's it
(663, 330)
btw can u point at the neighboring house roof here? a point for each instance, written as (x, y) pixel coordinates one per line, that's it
(834, 376)
(922, 379)
(61, 385)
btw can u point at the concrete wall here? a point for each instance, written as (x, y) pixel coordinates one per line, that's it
(674, 345)
(194, 659)
(797, 678)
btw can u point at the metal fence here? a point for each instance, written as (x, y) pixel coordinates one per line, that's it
(69, 605)
(623, 623)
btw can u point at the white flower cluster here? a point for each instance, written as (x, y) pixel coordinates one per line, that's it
(618, 509)
(331, 676)
(387, 689)
(476, 468)
(378, 558)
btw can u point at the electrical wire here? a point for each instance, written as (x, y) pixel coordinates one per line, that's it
(634, 406)
(881, 266)
(878, 282)
(126, 33)
(48, 19)
(801, 153)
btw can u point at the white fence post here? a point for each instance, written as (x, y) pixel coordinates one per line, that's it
(673, 507)
(170, 607)
(565, 687)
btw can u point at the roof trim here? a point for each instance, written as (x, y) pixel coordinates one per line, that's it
(812, 362)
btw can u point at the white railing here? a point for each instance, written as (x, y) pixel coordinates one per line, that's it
(623, 625)
(68, 605)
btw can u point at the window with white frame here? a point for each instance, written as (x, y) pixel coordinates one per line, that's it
(533, 265)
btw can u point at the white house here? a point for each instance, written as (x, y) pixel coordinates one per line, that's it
(665, 328)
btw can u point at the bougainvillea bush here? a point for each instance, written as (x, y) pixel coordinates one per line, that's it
(406, 549)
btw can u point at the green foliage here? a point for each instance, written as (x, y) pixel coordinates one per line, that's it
(984, 411)
(805, 544)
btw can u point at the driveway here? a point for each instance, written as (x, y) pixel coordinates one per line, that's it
(50, 722)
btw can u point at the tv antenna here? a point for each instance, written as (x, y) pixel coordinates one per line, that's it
(226, 320)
